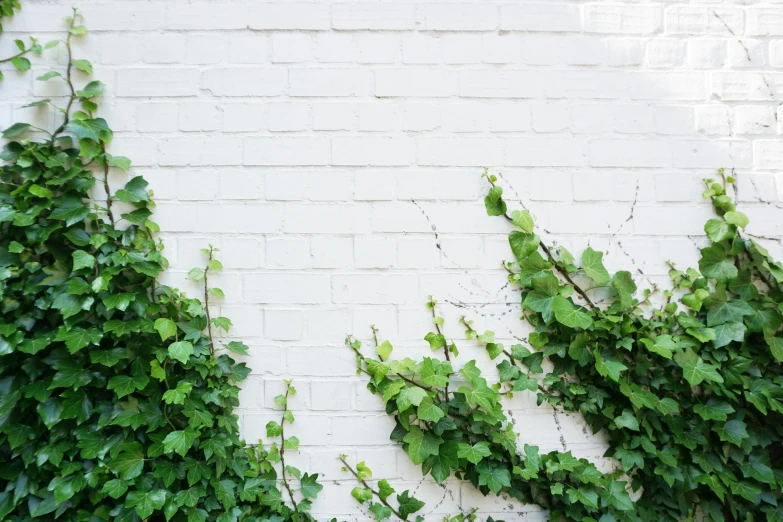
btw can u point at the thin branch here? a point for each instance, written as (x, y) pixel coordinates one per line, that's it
(282, 447)
(72, 97)
(206, 302)
(374, 492)
(445, 347)
(560, 269)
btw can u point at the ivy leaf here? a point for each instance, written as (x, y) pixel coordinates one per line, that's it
(715, 264)
(569, 315)
(523, 244)
(179, 441)
(135, 191)
(593, 266)
(713, 410)
(695, 370)
(129, 463)
(734, 217)
(623, 283)
(145, 502)
(421, 444)
(428, 411)
(380, 512)
(78, 338)
(410, 396)
(115, 488)
(733, 431)
(309, 486)
(494, 477)
(125, 384)
(85, 66)
(474, 453)
(627, 420)
(165, 327)
(15, 130)
(408, 505)
(361, 495)
(718, 230)
(384, 350)
(436, 340)
(384, 489)
(94, 129)
(82, 259)
(523, 220)
(494, 203)
(21, 63)
(181, 351)
(616, 495)
(608, 367)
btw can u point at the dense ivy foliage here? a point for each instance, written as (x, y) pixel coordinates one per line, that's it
(689, 391)
(116, 402)
(381, 509)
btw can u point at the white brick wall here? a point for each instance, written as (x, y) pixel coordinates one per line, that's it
(332, 150)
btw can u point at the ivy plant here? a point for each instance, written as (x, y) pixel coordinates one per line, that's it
(686, 384)
(116, 398)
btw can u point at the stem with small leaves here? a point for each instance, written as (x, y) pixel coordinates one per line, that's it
(282, 447)
(366, 485)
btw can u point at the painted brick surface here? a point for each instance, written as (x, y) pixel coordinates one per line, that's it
(332, 150)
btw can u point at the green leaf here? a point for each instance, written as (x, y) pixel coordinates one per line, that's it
(569, 315)
(135, 191)
(146, 502)
(627, 420)
(21, 63)
(125, 384)
(695, 370)
(362, 495)
(94, 129)
(733, 431)
(718, 230)
(82, 259)
(129, 463)
(421, 444)
(608, 367)
(380, 512)
(410, 396)
(616, 495)
(115, 488)
(523, 220)
(165, 327)
(179, 441)
(309, 486)
(495, 478)
(715, 264)
(384, 350)
(713, 410)
(474, 453)
(436, 340)
(428, 411)
(40, 191)
(408, 505)
(78, 338)
(84, 66)
(15, 130)
(494, 203)
(384, 489)
(734, 217)
(523, 244)
(625, 287)
(181, 351)
(592, 264)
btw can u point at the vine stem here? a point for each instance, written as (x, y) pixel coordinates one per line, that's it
(445, 348)
(551, 258)
(206, 304)
(22, 53)
(68, 69)
(282, 448)
(374, 492)
(406, 379)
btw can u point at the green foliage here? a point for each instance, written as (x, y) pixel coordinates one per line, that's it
(115, 401)
(382, 509)
(689, 392)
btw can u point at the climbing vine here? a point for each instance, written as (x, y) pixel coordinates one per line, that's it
(116, 398)
(688, 391)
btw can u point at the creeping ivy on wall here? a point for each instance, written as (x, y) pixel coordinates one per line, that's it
(116, 398)
(689, 392)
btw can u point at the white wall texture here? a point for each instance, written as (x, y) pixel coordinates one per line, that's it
(332, 150)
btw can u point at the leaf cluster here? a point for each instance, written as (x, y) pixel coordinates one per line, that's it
(116, 403)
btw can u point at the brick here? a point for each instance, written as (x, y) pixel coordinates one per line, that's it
(499, 84)
(375, 288)
(713, 120)
(312, 16)
(713, 154)
(199, 151)
(415, 82)
(334, 116)
(163, 48)
(243, 117)
(457, 17)
(620, 19)
(541, 152)
(205, 49)
(741, 86)
(374, 253)
(289, 116)
(283, 325)
(629, 153)
(764, 21)
(372, 151)
(460, 151)
(286, 151)
(286, 288)
(384, 17)
(328, 82)
(315, 219)
(287, 253)
(198, 116)
(768, 155)
(157, 82)
(547, 17)
(685, 19)
(244, 82)
(754, 119)
(292, 47)
(205, 15)
(258, 218)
